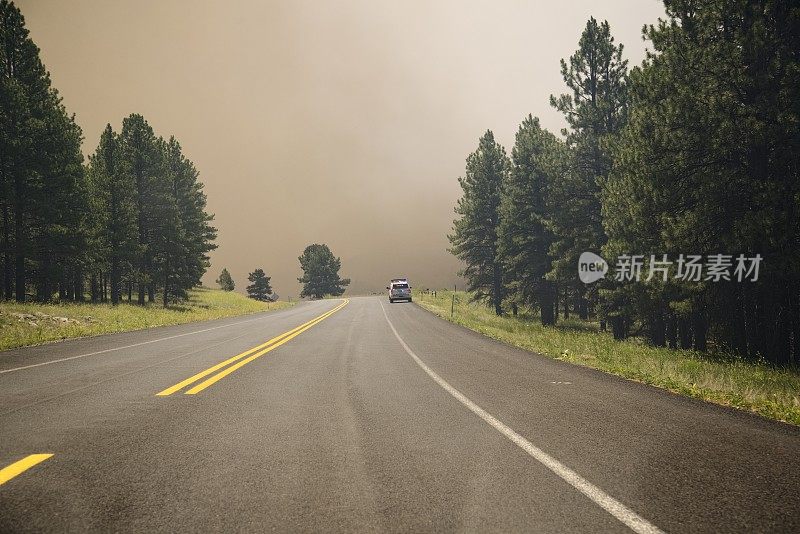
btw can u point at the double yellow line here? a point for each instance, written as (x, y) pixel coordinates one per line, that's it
(244, 358)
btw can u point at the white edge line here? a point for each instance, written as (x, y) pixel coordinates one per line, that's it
(3, 371)
(608, 503)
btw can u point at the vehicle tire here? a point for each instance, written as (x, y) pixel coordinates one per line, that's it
(410, 300)
(391, 301)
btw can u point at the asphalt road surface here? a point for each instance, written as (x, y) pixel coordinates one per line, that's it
(373, 417)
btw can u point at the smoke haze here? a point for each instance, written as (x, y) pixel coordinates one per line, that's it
(346, 123)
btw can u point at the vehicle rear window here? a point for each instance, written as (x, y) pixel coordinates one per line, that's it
(400, 286)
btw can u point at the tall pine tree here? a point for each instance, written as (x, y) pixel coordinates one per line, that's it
(41, 175)
(141, 162)
(524, 236)
(114, 225)
(595, 109)
(474, 237)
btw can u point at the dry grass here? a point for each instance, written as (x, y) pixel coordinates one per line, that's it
(720, 378)
(32, 324)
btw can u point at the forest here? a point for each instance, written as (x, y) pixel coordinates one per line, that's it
(695, 152)
(131, 223)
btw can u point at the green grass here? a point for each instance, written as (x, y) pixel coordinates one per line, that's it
(32, 324)
(771, 392)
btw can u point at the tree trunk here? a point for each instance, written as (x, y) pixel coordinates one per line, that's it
(566, 303)
(582, 304)
(19, 272)
(699, 326)
(685, 333)
(739, 330)
(618, 327)
(672, 332)
(78, 286)
(497, 285)
(166, 283)
(794, 309)
(753, 326)
(19, 235)
(141, 294)
(779, 347)
(44, 291)
(657, 329)
(8, 266)
(556, 309)
(546, 297)
(68, 286)
(115, 280)
(93, 287)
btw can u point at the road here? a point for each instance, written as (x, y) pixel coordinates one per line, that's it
(369, 417)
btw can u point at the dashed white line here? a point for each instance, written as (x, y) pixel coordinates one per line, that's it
(608, 503)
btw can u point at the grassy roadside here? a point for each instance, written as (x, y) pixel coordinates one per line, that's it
(759, 388)
(32, 324)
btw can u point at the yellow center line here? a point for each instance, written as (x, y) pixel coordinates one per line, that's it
(9, 472)
(264, 348)
(222, 374)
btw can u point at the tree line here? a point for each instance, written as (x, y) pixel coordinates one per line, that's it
(132, 220)
(694, 152)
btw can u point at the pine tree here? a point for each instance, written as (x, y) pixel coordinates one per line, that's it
(709, 164)
(141, 163)
(595, 110)
(260, 288)
(168, 239)
(24, 90)
(524, 236)
(225, 281)
(197, 233)
(114, 227)
(474, 237)
(182, 234)
(23, 81)
(59, 206)
(321, 272)
(41, 174)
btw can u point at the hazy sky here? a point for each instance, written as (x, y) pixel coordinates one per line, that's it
(346, 123)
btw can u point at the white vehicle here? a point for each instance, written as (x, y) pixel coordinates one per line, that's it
(399, 289)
